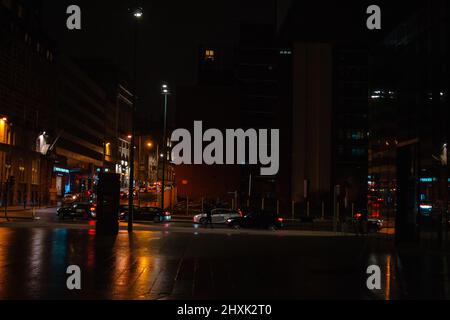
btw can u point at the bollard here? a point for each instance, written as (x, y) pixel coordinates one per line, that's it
(262, 204)
(337, 213)
(323, 210)
(307, 209)
(187, 206)
(293, 210)
(203, 206)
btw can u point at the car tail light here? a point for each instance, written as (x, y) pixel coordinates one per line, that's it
(280, 220)
(358, 215)
(92, 209)
(167, 213)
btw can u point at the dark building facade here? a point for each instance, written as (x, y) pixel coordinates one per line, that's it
(118, 115)
(330, 125)
(240, 86)
(60, 123)
(350, 124)
(409, 112)
(79, 130)
(264, 82)
(329, 71)
(27, 103)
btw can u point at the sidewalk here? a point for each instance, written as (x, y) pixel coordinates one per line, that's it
(18, 212)
(28, 208)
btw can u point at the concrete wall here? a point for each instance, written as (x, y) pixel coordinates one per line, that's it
(312, 112)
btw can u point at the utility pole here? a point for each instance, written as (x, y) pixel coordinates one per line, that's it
(137, 13)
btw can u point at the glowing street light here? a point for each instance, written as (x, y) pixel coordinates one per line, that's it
(138, 13)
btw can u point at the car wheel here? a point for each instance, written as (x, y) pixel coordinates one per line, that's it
(272, 227)
(202, 221)
(236, 226)
(156, 219)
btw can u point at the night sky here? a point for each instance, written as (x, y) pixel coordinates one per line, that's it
(172, 31)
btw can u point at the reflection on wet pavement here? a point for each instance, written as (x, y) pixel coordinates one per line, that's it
(171, 265)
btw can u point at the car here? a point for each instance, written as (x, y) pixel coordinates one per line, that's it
(78, 210)
(257, 220)
(154, 214)
(70, 198)
(218, 216)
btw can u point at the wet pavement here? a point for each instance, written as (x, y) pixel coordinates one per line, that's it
(180, 262)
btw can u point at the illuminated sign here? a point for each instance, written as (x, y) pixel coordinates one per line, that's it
(429, 180)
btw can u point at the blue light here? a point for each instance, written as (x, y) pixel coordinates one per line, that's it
(61, 170)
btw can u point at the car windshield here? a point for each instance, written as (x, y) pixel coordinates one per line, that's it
(125, 208)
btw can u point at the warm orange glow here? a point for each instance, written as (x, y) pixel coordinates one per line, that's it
(129, 136)
(149, 144)
(4, 119)
(4, 131)
(108, 152)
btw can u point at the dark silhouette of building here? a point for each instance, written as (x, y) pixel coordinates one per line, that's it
(409, 131)
(27, 102)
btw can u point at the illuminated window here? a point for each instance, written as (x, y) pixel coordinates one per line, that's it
(209, 55)
(5, 132)
(108, 151)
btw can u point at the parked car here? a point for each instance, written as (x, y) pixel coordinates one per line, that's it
(218, 215)
(154, 214)
(257, 220)
(78, 210)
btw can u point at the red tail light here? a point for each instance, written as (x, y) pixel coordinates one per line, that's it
(167, 213)
(358, 215)
(280, 220)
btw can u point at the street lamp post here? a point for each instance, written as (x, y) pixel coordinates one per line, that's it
(165, 92)
(137, 14)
